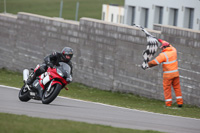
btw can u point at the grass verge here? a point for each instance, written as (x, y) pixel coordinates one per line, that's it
(51, 8)
(80, 91)
(10, 123)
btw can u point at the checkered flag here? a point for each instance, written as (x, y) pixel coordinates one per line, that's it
(152, 46)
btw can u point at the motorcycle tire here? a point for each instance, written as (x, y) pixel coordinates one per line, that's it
(48, 97)
(23, 94)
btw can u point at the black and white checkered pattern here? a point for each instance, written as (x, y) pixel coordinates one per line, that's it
(152, 46)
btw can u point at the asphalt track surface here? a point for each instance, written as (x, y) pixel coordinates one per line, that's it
(95, 113)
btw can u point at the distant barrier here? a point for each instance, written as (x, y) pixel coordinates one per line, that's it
(107, 56)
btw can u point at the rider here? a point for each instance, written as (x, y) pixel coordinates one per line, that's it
(52, 60)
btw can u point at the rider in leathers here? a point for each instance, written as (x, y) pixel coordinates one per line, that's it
(52, 60)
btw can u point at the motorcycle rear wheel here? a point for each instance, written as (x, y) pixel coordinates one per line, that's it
(23, 94)
(50, 95)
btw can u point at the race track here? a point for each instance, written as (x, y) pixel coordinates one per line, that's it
(96, 113)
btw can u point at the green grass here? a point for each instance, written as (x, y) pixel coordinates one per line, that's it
(80, 91)
(10, 123)
(51, 8)
(11, 78)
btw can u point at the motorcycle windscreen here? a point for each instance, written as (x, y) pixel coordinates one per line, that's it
(64, 67)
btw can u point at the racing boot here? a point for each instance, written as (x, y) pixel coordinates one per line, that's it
(31, 79)
(180, 105)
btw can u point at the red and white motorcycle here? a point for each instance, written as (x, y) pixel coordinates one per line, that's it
(47, 86)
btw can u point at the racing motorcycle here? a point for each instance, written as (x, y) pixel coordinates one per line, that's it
(47, 86)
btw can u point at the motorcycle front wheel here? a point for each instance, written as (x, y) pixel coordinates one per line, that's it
(23, 94)
(50, 95)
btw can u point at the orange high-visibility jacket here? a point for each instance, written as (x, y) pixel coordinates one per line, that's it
(168, 58)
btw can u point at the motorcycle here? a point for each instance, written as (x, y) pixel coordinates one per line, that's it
(47, 86)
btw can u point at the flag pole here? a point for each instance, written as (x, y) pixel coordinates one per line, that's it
(4, 6)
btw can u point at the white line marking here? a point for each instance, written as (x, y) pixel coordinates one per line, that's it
(10, 87)
(109, 105)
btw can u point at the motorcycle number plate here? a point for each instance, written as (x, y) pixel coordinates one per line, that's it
(32, 93)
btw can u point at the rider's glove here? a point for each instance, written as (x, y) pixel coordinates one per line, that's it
(144, 66)
(50, 64)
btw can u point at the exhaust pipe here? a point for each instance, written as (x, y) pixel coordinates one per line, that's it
(25, 74)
